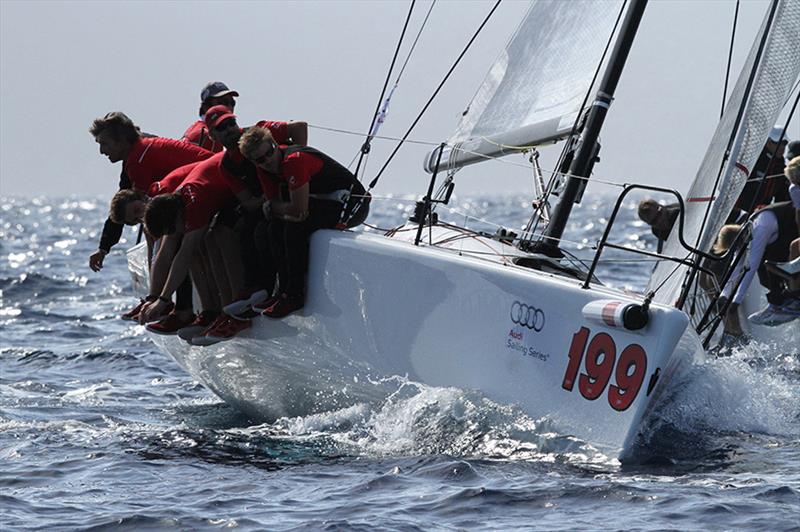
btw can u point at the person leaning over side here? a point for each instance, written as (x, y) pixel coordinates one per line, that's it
(127, 208)
(214, 93)
(305, 190)
(242, 178)
(144, 161)
(182, 219)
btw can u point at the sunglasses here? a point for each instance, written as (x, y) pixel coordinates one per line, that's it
(225, 125)
(266, 155)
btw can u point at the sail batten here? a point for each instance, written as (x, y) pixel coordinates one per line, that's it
(534, 91)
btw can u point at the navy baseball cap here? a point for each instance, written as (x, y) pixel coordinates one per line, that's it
(216, 89)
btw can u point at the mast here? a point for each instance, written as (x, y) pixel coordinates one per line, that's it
(586, 154)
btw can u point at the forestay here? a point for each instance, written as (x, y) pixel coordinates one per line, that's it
(720, 179)
(534, 91)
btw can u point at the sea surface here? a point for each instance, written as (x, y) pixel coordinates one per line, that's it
(100, 431)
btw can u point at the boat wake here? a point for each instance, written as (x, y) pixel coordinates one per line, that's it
(750, 393)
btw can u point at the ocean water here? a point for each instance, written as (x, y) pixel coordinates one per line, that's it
(99, 430)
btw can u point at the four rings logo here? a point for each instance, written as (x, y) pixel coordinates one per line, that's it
(527, 316)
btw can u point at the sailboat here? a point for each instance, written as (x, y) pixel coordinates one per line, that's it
(511, 316)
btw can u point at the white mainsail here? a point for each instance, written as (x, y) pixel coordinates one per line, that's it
(534, 91)
(774, 69)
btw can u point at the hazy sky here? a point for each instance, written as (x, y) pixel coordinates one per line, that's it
(64, 63)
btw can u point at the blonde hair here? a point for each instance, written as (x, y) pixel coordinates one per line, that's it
(792, 171)
(725, 238)
(253, 139)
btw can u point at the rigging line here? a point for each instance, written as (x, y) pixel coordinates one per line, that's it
(730, 57)
(414, 44)
(435, 93)
(365, 146)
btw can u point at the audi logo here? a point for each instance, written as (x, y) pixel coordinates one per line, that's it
(527, 316)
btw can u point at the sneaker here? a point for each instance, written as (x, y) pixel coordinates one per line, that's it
(224, 329)
(264, 305)
(284, 305)
(133, 313)
(774, 315)
(199, 336)
(170, 324)
(201, 322)
(245, 302)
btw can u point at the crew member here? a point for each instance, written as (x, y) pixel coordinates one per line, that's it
(144, 161)
(769, 170)
(241, 176)
(659, 217)
(214, 93)
(773, 229)
(305, 190)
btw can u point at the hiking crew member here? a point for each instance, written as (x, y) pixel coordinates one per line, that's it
(145, 161)
(305, 190)
(242, 178)
(214, 93)
(182, 218)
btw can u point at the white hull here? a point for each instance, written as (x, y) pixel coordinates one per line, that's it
(379, 307)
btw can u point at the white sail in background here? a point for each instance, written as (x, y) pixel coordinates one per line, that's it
(534, 91)
(776, 72)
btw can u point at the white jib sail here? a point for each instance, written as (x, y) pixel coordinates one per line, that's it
(533, 92)
(776, 71)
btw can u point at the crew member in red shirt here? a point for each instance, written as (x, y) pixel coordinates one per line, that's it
(144, 161)
(214, 93)
(242, 178)
(305, 190)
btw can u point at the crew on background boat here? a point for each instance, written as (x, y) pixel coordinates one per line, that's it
(145, 160)
(769, 168)
(774, 229)
(214, 93)
(305, 190)
(242, 178)
(792, 151)
(659, 217)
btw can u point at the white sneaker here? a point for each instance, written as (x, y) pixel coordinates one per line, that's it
(774, 315)
(243, 305)
(791, 267)
(764, 315)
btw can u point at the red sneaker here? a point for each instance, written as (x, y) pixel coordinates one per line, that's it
(169, 324)
(264, 305)
(201, 322)
(224, 328)
(284, 305)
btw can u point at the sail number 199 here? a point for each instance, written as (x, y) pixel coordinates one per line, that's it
(600, 361)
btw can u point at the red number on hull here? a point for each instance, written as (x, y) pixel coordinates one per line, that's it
(629, 382)
(600, 358)
(599, 364)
